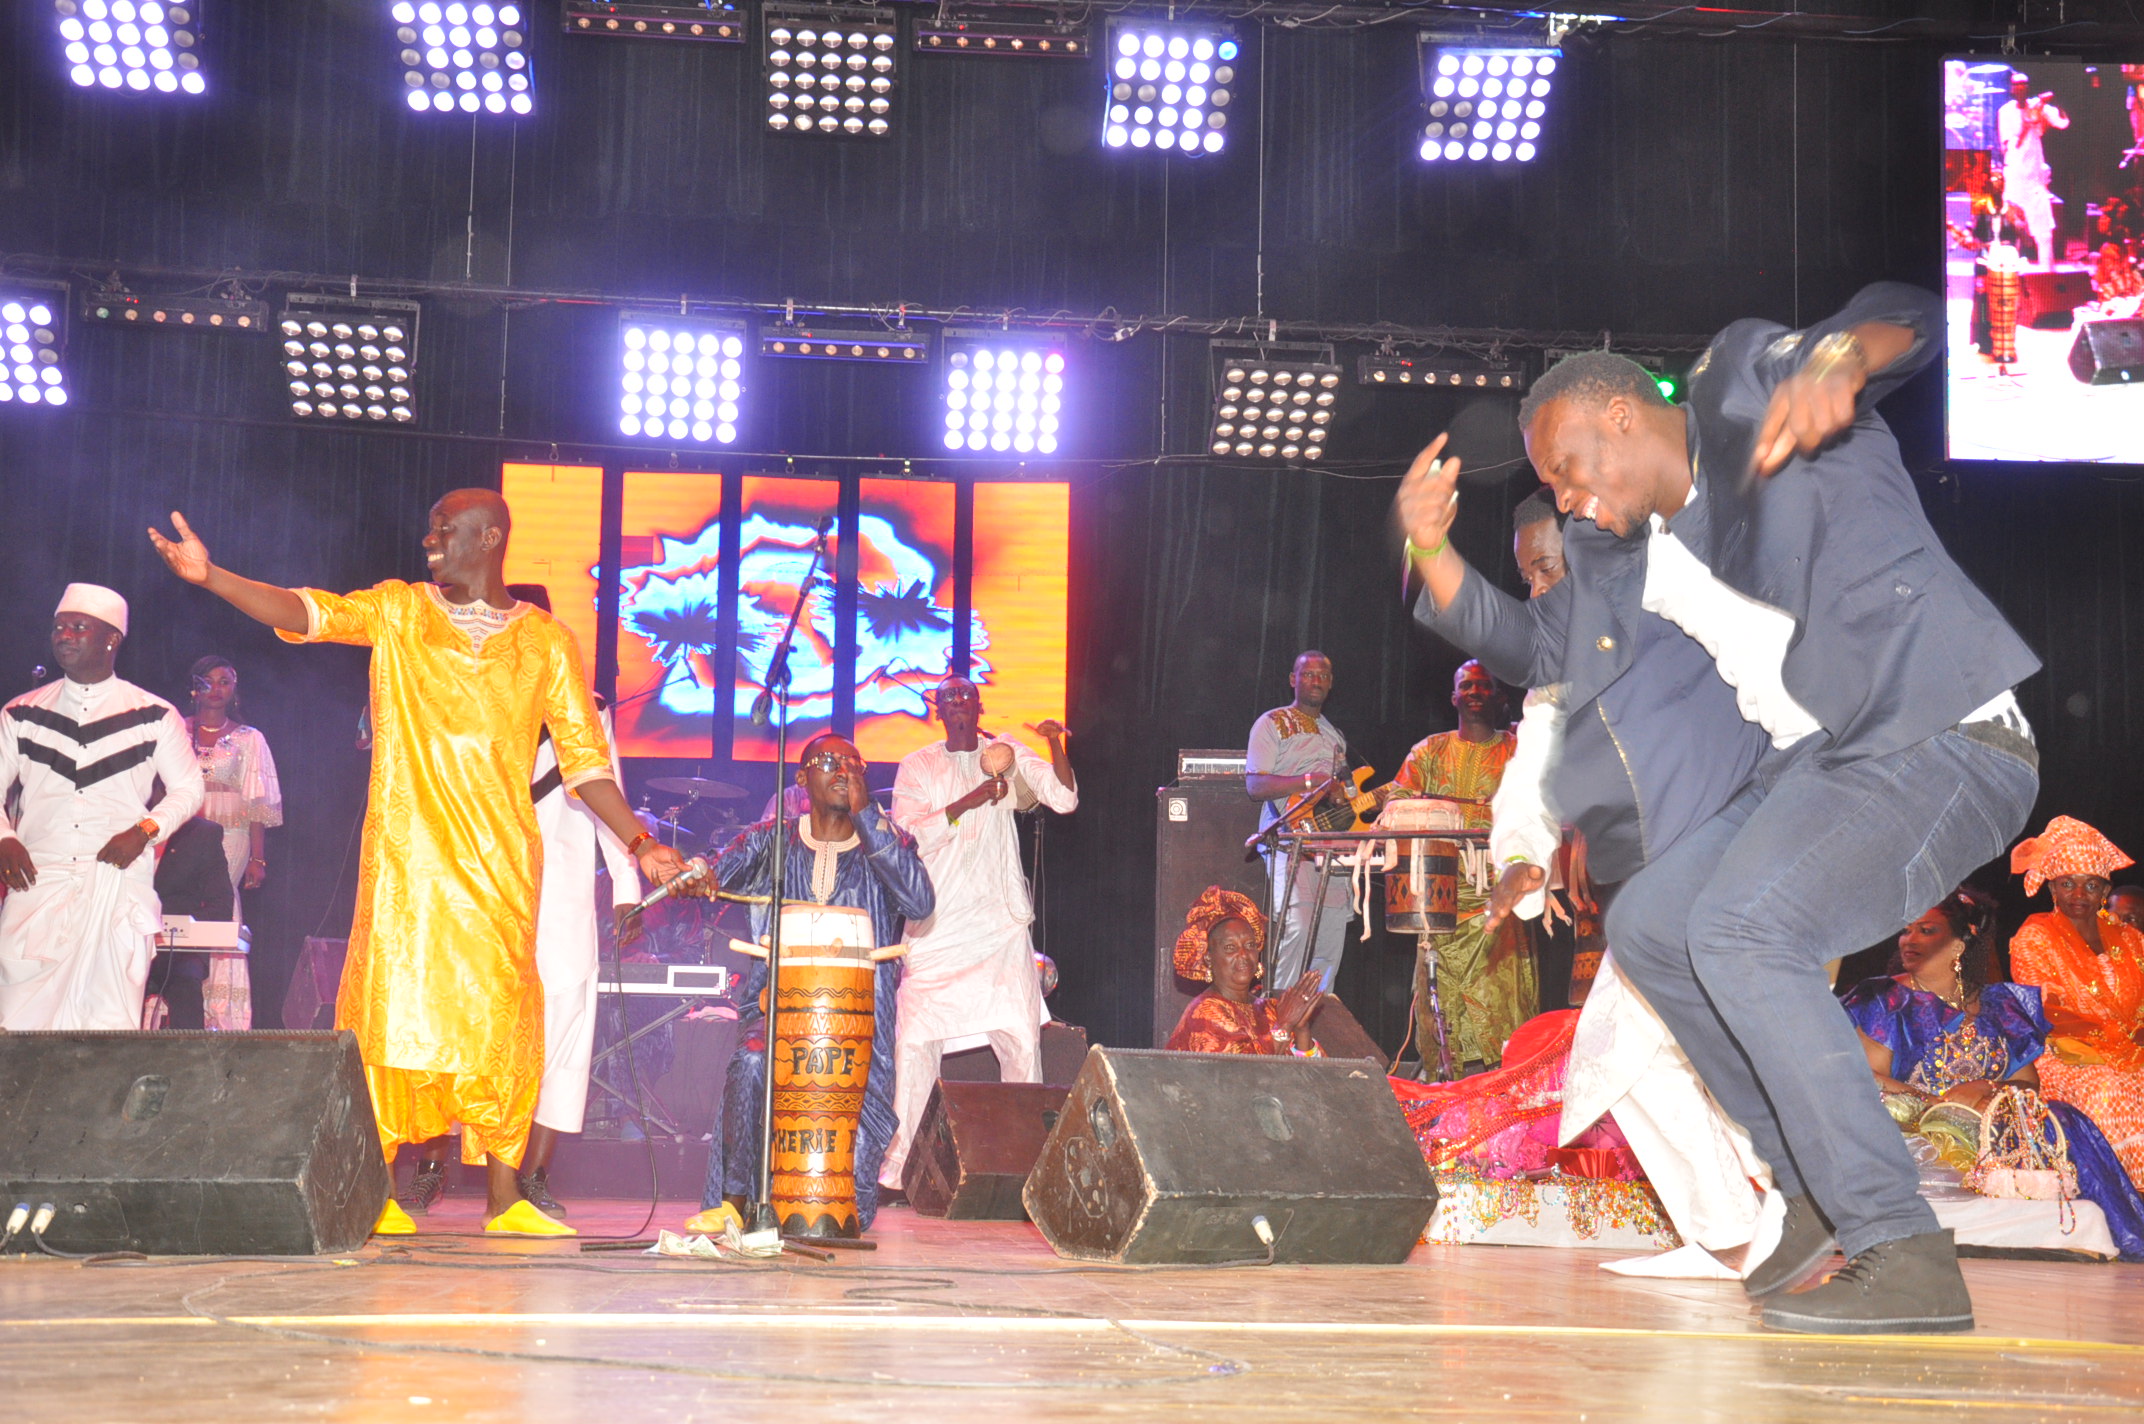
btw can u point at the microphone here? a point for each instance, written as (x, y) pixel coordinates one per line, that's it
(39, 674)
(762, 706)
(694, 872)
(826, 525)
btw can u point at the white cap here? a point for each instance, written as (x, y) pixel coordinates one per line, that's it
(95, 600)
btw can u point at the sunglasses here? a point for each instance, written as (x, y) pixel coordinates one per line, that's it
(831, 761)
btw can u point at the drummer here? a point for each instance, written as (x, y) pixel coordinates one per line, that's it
(845, 852)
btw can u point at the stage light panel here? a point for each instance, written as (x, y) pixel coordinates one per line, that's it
(1435, 371)
(1001, 30)
(244, 314)
(1169, 86)
(1273, 402)
(349, 360)
(1004, 393)
(681, 379)
(1485, 104)
(713, 22)
(819, 342)
(141, 45)
(33, 344)
(459, 58)
(831, 69)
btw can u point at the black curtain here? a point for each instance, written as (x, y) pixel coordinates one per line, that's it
(1683, 183)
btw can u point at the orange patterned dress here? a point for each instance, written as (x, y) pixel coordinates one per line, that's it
(1211, 1024)
(2100, 1072)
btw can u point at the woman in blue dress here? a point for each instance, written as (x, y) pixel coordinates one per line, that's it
(1942, 1041)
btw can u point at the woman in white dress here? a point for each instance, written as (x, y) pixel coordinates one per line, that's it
(245, 799)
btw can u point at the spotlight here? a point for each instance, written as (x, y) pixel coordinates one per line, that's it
(1273, 402)
(681, 379)
(349, 359)
(830, 69)
(819, 342)
(33, 343)
(1427, 371)
(132, 44)
(1484, 105)
(1003, 392)
(999, 30)
(463, 58)
(122, 308)
(716, 21)
(1169, 86)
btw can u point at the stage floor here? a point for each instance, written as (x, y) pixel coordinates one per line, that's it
(981, 1316)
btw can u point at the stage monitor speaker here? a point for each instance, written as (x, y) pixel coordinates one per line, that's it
(2049, 300)
(191, 1144)
(1064, 1048)
(2109, 353)
(1200, 827)
(310, 1000)
(1339, 1034)
(1168, 1157)
(975, 1146)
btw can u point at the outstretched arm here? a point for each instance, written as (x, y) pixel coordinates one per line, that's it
(263, 602)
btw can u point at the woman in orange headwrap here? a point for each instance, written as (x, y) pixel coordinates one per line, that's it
(2089, 967)
(1223, 942)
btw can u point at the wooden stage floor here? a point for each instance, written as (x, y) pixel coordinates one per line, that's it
(946, 1318)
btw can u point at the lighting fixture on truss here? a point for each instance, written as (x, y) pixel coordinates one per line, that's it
(1169, 86)
(1000, 30)
(1382, 370)
(349, 358)
(463, 58)
(1670, 371)
(132, 44)
(715, 22)
(124, 308)
(1484, 103)
(1272, 402)
(822, 341)
(830, 69)
(681, 378)
(33, 343)
(1004, 392)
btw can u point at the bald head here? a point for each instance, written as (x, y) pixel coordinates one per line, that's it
(465, 545)
(488, 506)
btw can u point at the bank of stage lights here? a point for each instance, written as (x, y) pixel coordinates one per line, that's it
(681, 379)
(714, 22)
(1485, 105)
(830, 70)
(466, 58)
(1273, 402)
(1169, 87)
(1003, 393)
(350, 360)
(121, 44)
(31, 345)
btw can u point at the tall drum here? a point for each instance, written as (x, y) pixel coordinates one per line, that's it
(821, 1057)
(1422, 878)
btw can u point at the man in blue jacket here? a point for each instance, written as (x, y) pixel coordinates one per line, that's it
(1772, 520)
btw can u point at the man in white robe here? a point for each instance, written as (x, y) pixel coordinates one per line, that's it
(971, 965)
(2021, 124)
(87, 751)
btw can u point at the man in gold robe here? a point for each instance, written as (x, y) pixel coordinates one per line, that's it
(440, 984)
(1485, 979)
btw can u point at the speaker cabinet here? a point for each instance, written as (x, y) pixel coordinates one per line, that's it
(975, 1147)
(2049, 300)
(1168, 1157)
(2109, 353)
(184, 1144)
(1200, 827)
(1064, 1048)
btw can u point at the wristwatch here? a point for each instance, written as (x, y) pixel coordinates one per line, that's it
(148, 828)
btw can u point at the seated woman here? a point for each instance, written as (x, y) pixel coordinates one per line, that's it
(1942, 1041)
(1224, 942)
(2089, 969)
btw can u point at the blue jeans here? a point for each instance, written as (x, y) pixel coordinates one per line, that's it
(1292, 950)
(1727, 934)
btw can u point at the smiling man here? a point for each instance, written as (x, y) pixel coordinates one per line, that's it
(1772, 521)
(441, 982)
(87, 751)
(1293, 751)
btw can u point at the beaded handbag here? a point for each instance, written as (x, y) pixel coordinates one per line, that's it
(2023, 1151)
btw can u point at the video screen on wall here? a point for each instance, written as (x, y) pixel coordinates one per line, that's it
(2043, 233)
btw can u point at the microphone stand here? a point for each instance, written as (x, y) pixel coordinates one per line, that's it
(776, 698)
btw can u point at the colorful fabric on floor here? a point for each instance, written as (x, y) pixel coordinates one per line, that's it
(2102, 1070)
(1505, 1124)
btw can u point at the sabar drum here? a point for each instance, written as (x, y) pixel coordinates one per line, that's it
(1422, 879)
(820, 1058)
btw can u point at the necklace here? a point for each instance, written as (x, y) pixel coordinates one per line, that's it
(1957, 1002)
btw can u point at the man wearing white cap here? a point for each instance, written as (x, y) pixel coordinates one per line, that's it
(87, 751)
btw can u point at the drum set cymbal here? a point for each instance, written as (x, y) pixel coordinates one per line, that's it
(697, 788)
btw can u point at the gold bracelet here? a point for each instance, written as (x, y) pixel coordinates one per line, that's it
(1828, 356)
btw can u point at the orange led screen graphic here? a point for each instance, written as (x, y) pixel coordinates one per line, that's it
(558, 542)
(904, 612)
(1022, 542)
(669, 613)
(774, 548)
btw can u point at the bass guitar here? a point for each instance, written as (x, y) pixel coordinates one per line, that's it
(1353, 810)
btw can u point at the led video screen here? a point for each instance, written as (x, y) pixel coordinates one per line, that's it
(2043, 233)
(777, 527)
(668, 588)
(558, 541)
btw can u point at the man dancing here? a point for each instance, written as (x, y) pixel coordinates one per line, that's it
(1799, 558)
(87, 750)
(1293, 751)
(2021, 124)
(846, 852)
(971, 965)
(441, 984)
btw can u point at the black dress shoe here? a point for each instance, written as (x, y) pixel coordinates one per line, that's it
(426, 1186)
(1805, 1244)
(1911, 1286)
(536, 1186)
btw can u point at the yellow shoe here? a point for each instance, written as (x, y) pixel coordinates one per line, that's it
(523, 1219)
(715, 1221)
(394, 1221)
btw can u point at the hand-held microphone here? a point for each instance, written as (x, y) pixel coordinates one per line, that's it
(695, 871)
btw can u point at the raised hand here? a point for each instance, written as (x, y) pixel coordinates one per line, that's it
(1295, 1005)
(1429, 497)
(1804, 415)
(1050, 729)
(188, 556)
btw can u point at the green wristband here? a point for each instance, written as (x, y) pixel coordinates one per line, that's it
(1415, 551)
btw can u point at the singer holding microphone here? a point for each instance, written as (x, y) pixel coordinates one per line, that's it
(441, 984)
(2021, 124)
